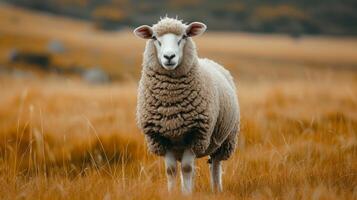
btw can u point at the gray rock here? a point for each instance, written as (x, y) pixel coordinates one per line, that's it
(16, 73)
(95, 76)
(13, 55)
(56, 46)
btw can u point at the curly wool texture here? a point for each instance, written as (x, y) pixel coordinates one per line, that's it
(169, 25)
(194, 106)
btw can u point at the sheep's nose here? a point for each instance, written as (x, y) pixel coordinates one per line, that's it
(169, 56)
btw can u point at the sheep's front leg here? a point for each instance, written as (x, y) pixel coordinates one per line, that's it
(187, 171)
(171, 168)
(216, 175)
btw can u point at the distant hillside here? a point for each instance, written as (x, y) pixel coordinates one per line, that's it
(295, 17)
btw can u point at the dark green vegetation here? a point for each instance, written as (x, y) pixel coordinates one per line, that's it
(294, 17)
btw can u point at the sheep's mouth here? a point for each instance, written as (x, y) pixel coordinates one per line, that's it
(169, 66)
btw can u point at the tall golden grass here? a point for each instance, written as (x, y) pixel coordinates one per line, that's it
(74, 141)
(61, 138)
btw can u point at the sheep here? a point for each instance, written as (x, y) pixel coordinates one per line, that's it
(187, 107)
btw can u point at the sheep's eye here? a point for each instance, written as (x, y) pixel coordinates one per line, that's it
(183, 37)
(155, 38)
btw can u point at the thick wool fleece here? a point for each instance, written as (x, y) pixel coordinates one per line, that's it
(193, 106)
(169, 25)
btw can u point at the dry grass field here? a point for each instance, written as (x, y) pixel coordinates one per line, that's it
(62, 138)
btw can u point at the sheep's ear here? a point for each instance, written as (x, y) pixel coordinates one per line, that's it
(195, 28)
(144, 32)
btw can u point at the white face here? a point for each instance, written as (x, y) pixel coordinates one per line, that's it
(169, 47)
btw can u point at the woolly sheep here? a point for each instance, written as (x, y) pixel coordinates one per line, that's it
(187, 106)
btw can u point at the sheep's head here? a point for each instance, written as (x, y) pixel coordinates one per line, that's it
(169, 37)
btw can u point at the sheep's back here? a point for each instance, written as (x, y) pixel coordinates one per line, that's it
(227, 122)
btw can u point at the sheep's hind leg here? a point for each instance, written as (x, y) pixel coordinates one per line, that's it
(216, 174)
(171, 170)
(187, 171)
(222, 153)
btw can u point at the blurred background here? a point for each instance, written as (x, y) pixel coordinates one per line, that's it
(92, 38)
(68, 77)
(293, 17)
